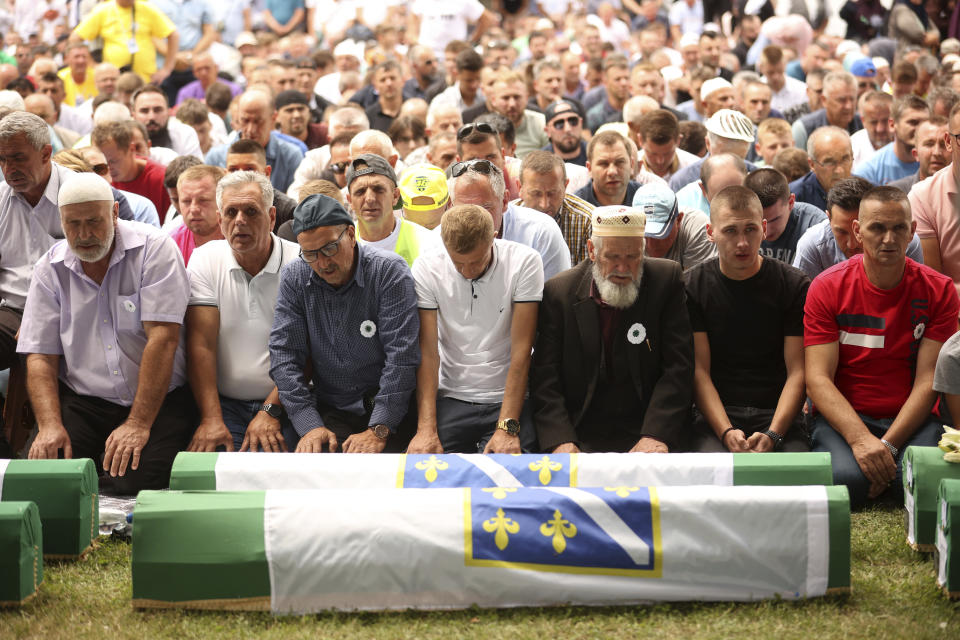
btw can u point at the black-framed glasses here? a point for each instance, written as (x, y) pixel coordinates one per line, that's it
(479, 165)
(570, 121)
(339, 167)
(468, 129)
(329, 250)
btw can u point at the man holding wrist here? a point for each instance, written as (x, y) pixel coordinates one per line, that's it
(347, 313)
(478, 304)
(613, 364)
(747, 316)
(233, 290)
(873, 328)
(101, 327)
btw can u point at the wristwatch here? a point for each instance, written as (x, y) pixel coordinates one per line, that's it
(773, 435)
(273, 410)
(509, 425)
(382, 431)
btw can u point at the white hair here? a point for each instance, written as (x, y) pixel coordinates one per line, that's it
(439, 108)
(369, 138)
(111, 111)
(238, 178)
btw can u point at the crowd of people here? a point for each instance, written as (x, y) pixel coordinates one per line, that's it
(454, 226)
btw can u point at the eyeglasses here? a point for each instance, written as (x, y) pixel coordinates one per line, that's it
(833, 164)
(467, 129)
(101, 169)
(329, 250)
(571, 121)
(339, 167)
(480, 166)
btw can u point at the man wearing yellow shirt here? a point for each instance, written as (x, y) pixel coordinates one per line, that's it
(128, 29)
(77, 76)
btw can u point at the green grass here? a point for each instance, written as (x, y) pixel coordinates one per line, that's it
(894, 596)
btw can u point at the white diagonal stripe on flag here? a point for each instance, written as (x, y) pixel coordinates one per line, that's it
(497, 472)
(861, 340)
(608, 520)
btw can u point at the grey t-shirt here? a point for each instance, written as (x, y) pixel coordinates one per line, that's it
(692, 245)
(946, 378)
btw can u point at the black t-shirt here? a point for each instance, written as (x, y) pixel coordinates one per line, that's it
(746, 322)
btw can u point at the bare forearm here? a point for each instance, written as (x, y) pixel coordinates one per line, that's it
(208, 38)
(709, 403)
(953, 404)
(157, 358)
(173, 45)
(516, 386)
(428, 381)
(914, 412)
(836, 409)
(788, 406)
(202, 374)
(43, 389)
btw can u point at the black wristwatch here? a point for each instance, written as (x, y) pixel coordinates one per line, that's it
(273, 410)
(776, 437)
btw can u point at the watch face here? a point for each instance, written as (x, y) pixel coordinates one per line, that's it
(381, 431)
(273, 410)
(511, 426)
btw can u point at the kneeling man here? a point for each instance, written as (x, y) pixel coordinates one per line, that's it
(478, 317)
(747, 316)
(101, 327)
(613, 364)
(873, 328)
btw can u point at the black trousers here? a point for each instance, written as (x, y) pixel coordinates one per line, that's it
(751, 420)
(89, 422)
(344, 424)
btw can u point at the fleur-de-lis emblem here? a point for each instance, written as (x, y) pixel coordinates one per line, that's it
(622, 492)
(545, 465)
(502, 525)
(500, 492)
(431, 465)
(560, 529)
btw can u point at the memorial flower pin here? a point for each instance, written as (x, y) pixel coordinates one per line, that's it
(918, 331)
(368, 328)
(637, 333)
(129, 306)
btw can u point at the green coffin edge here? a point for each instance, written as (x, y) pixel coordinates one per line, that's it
(838, 512)
(65, 491)
(194, 472)
(179, 555)
(782, 469)
(21, 551)
(928, 468)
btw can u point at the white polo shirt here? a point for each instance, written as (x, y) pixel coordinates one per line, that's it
(474, 316)
(246, 313)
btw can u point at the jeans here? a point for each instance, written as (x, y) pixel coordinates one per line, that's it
(847, 472)
(466, 427)
(237, 415)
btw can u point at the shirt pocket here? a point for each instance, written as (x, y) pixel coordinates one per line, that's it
(128, 313)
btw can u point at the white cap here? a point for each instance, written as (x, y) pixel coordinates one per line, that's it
(690, 39)
(350, 48)
(846, 47)
(11, 100)
(731, 124)
(244, 39)
(880, 61)
(618, 221)
(713, 84)
(84, 187)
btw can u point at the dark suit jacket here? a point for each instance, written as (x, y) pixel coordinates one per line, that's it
(566, 361)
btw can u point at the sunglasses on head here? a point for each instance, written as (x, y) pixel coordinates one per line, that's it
(467, 129)
(571, 121)
(480, 166)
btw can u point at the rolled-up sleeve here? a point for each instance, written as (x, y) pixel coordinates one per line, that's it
(289, 349)
(399, 335)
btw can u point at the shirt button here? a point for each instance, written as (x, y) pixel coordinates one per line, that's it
(109, 347)
(115, 372)
(105, 322)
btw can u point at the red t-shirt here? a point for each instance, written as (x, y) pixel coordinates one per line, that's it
(149, 184)
(879, 330)
(185, 241)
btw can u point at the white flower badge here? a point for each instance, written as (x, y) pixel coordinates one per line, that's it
(918, 331)
(129, 306)
(368, 329)
(637, 333)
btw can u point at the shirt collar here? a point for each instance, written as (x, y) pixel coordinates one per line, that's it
(274, 260)
(124, 239)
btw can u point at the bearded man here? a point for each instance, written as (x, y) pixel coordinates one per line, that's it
(613, 364)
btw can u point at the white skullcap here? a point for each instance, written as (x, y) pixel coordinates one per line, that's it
(731, 124)
(882, 62)
(11, 100)
(846, 47)
(111, 111)
(690, 39)
(349, 48)
(713, 84)
(84, 187)
(618, 221)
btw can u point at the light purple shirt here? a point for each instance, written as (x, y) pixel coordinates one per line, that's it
(195, 90)
(98, 329)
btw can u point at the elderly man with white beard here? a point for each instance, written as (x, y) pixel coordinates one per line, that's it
(613, 364)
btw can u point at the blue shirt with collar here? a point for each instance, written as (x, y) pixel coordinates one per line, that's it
(282, 156)
(809, 189)
(362, 338)
(539, 232)
(884, 167)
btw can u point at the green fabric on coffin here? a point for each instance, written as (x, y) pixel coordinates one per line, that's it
(923, 469)
(21, 552)
(177, 563)
(947, 553)
(65, 491)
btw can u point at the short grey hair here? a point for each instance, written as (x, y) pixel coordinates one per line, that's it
(819, 132)
(494, 179)
(239, 178)
(438, 108)
(546, 63)
(33, 127)
(839, 77)
(372, 136)
(347, 117)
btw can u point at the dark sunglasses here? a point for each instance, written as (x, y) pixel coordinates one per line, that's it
(467, 129)
(480, 166)
(572, 121)
(339, 167)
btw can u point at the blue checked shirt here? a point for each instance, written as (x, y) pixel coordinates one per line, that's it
(363, 339)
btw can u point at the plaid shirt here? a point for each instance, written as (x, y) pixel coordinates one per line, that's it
(574, 220)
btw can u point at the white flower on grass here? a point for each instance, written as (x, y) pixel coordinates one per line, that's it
(637, 333)
(368, 328)
(918, 331)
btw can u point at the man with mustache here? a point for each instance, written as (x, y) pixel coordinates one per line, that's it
(101, 330)
(613, 363)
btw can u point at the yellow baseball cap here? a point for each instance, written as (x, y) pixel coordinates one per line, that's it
(423, 188)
